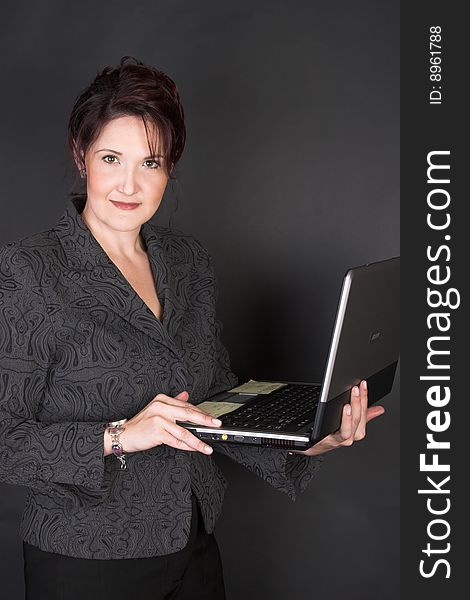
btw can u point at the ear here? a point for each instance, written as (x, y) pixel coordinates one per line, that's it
(78, 160)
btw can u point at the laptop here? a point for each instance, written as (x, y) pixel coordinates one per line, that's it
(296, 415)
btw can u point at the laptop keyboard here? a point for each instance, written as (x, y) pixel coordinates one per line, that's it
(290, 407)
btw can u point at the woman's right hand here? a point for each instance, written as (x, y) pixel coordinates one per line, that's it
(156, 424)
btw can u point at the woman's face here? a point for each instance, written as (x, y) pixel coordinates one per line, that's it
(120, 170)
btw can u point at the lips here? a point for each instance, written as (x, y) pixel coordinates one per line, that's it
(125, 205)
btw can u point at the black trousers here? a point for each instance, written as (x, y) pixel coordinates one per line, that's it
(193, 573)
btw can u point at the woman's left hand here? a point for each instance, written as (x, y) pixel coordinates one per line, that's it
(353, 423)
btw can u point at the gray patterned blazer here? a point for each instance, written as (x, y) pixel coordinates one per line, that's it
(79, 348)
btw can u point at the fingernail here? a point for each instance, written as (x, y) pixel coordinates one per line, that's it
(208, 449)
(356, 390)
(348, 409)
(364, 384)
(217, 422)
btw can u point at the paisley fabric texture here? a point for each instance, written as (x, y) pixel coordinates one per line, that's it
(79, 348)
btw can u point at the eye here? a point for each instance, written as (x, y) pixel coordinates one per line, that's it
(155, 163)
(109, 156)
(150, 163)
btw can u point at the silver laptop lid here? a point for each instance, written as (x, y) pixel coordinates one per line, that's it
(366, 335)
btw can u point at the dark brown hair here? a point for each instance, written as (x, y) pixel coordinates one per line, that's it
(135, 89)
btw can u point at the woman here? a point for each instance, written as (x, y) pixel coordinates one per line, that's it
(109, 336)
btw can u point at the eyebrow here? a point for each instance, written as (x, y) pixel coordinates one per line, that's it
(120, 153)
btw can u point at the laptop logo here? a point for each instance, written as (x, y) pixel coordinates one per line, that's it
(374, 336)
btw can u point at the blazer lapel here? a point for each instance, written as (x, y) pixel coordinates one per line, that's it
(170, 274)
(92, 269)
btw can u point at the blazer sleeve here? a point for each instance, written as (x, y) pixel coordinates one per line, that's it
(288, 473)
(32, 453)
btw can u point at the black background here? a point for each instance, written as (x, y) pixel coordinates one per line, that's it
(289, 177)
(426, 128)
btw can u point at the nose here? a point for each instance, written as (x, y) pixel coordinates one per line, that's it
(128, 185)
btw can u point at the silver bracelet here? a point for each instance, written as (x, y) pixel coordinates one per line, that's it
(115, 428)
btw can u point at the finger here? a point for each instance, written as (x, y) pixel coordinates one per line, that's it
(342, 437)
(169, 440)
(167, 405)
(356, 409)
(175, 401)
(183, 396)
(361, 429)
(190, 414)
(345, 429)
(374, 411)
(185, 438)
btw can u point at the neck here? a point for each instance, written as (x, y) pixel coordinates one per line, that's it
(126, 245)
